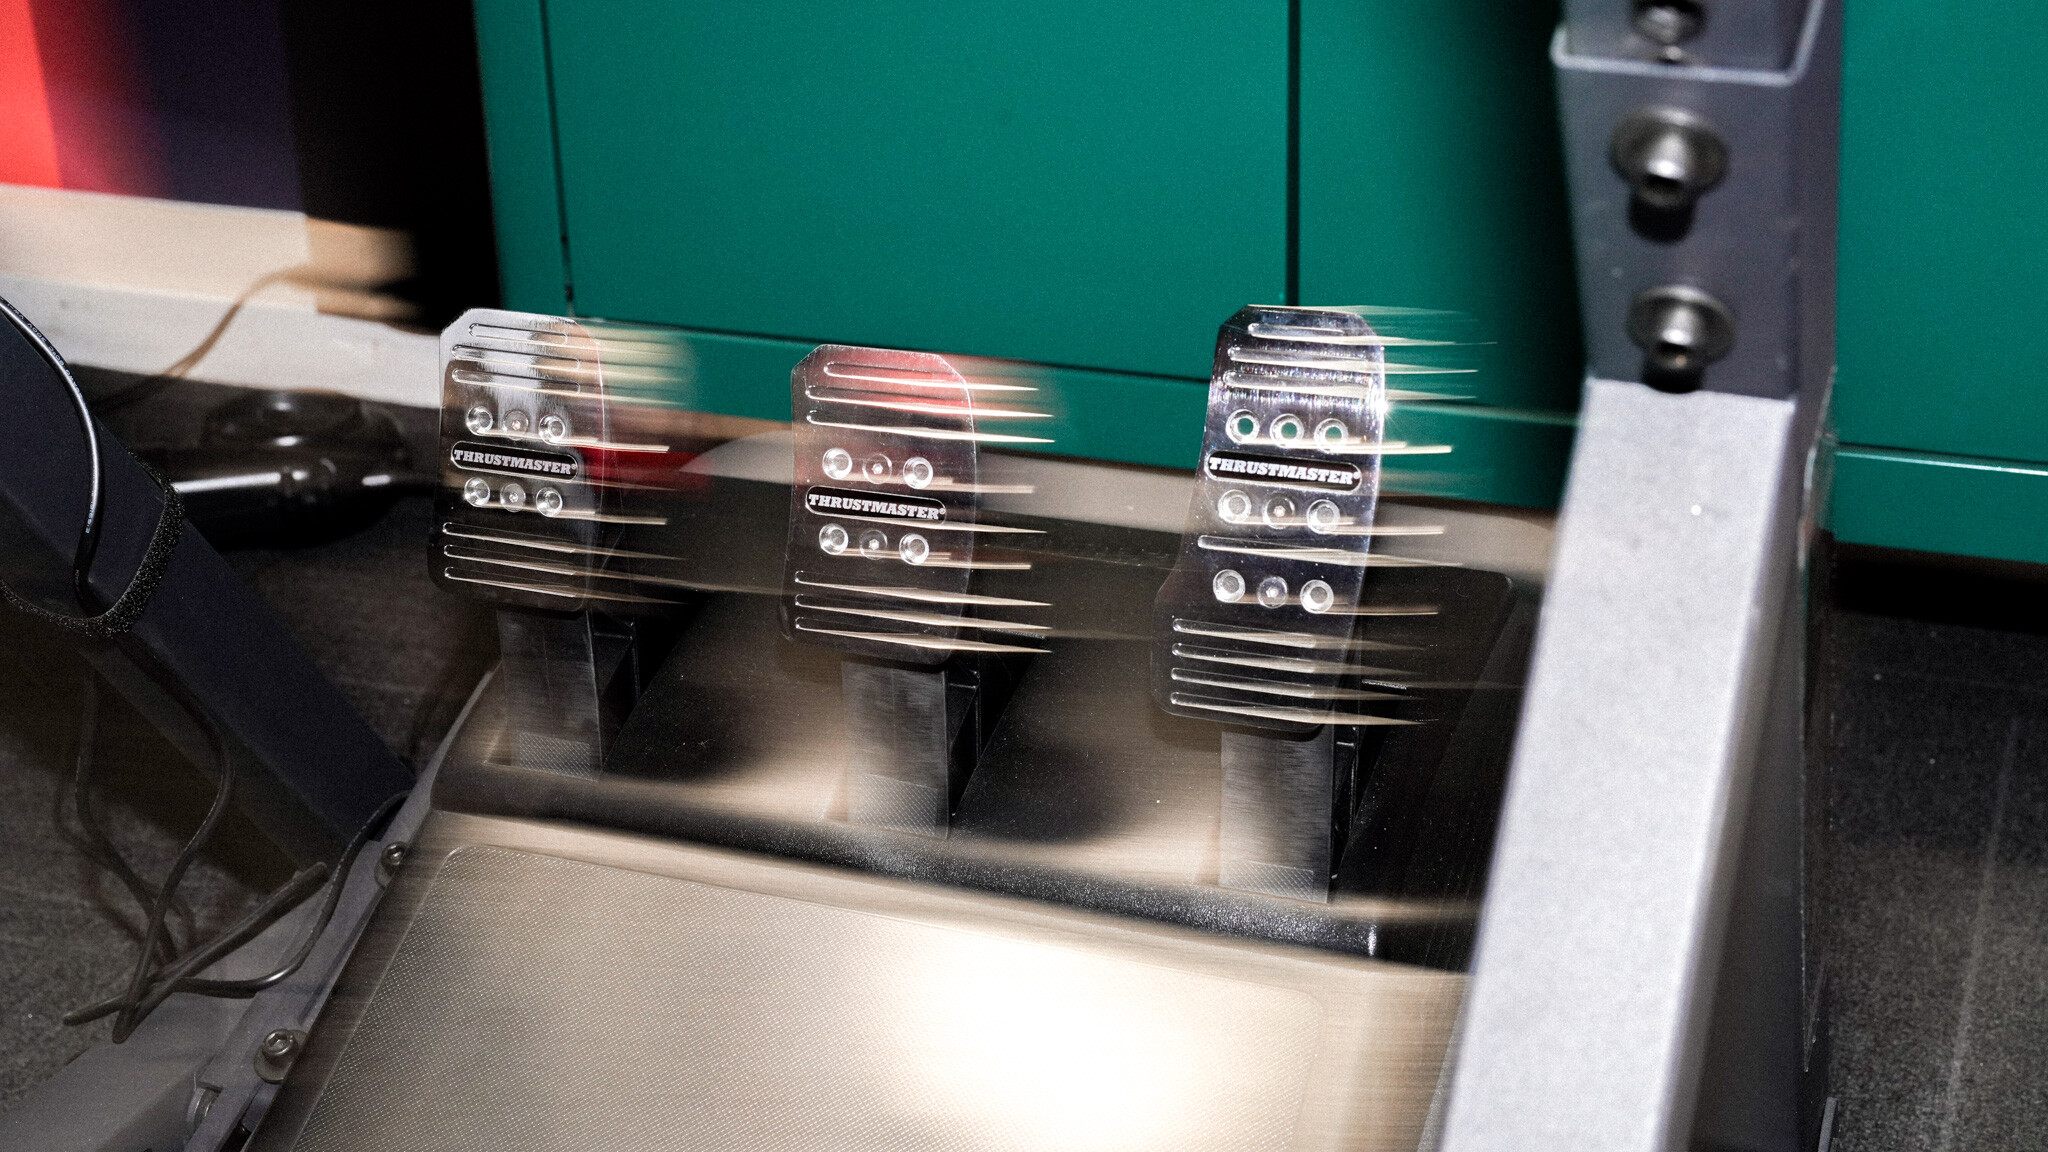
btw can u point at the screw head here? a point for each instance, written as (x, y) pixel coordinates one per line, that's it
(276, 1053)
(390, 860)
(1669, 156)
(1272, 592)
(280, 1043)
(1682, 330)
(1670, 22)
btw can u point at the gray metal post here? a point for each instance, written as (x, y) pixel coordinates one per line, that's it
(1652, 823)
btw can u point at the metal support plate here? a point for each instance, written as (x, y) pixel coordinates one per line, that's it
(1598, 952)
(1761, 241)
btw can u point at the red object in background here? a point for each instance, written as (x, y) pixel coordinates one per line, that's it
(662, 471)
(28, 140)
(98, 96)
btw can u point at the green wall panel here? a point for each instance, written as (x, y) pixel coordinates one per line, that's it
(511, 40)
(1927, 503)
(1944, 234)
(1090, 187)
(1498, 456)
(1063, 181)
(1431, 177)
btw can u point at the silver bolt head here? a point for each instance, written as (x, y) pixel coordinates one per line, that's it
(1670, 157)
(1272, 592)
(1228, 586)
(389, 861)
(1669, 22)
(1681, 328)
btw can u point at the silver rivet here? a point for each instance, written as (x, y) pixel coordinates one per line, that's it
(1317, 597)
(1228, 586)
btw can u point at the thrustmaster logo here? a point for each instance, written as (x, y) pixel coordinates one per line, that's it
(1335, 477)
(845, 502)
(474, 457)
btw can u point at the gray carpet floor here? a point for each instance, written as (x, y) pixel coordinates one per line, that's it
(402, 651)
(68, 933)
(1934, 902)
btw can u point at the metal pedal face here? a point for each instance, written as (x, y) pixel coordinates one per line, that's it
(1256, 625)
(534, 495)
(885, 535)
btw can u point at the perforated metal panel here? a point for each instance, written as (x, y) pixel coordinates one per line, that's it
(533, 1002)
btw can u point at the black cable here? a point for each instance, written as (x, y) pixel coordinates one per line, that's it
(223, 796)
(91, 838)
(135, 1005)
(89, 531)
(179, 978)
(260, 917)
(239, 989)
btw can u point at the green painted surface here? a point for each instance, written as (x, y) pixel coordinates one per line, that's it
(512, 55)
(1500, 455)
(1088, 187)
(1432, 177)
(1065, 181)
(1944, 234)
(1928, 503)
(1147, 420)
(1943, 239)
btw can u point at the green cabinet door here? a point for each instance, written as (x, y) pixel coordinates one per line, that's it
(1432, 177)
(1939, 402)
(1076, 183)
(1944, 234)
